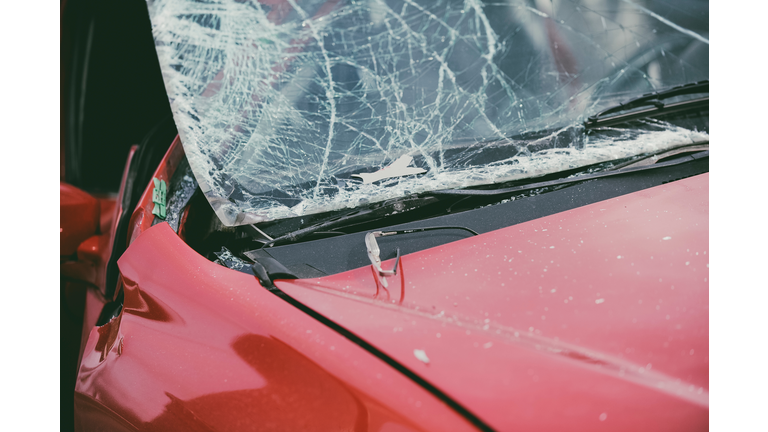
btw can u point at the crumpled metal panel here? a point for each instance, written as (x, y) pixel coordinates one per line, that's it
(199, 347)
(279, 102)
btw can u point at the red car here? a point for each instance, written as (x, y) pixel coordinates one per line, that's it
(385, 215)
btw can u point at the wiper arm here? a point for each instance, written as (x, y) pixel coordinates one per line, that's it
(402, 205)
(651, 104)
(373, 247)
(377, 211)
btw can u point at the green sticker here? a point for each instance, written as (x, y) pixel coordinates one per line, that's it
(158, 197)
(159, 211)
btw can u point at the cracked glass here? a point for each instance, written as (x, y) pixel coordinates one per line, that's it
(281, 105)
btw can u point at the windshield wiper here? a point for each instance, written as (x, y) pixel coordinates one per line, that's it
(621, 169)
(449, 197)
(376, 211)
(652, 104)
(373, 247)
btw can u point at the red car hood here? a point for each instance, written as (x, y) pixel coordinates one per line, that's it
(594, 318)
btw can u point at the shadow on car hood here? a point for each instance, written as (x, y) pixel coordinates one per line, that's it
(594, 317)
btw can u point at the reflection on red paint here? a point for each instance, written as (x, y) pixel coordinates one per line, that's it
(204, 348)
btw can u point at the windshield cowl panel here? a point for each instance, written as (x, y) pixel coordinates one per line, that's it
(280, 104)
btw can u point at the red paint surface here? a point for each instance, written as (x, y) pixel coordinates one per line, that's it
(93, 252)
(595, 318)
(199, 347)
(78, 217)
(88, 271)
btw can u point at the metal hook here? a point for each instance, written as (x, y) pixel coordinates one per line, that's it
(373, 255)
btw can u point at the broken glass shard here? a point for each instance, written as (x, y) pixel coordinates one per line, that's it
(280, 103)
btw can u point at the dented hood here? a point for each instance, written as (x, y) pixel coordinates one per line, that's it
(594, 317)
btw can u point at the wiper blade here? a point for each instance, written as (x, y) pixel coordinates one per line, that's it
(651, 104)
(377, 211)
(389, 208)
(570, 180)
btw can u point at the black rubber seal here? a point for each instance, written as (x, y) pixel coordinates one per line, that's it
(472, 418)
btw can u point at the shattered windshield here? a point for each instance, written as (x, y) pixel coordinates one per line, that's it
(292, 107)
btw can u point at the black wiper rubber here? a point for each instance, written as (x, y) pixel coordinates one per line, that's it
(267, 269)
(386, 208)
(381, 355)
(566, 181)
(651, 104)
(416, 230)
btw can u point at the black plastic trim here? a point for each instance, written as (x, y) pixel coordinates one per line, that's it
(341, 253)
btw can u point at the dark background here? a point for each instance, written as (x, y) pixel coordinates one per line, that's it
(112, 95)
(112, 91)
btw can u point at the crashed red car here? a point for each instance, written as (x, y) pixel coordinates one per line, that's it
(388, 216)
